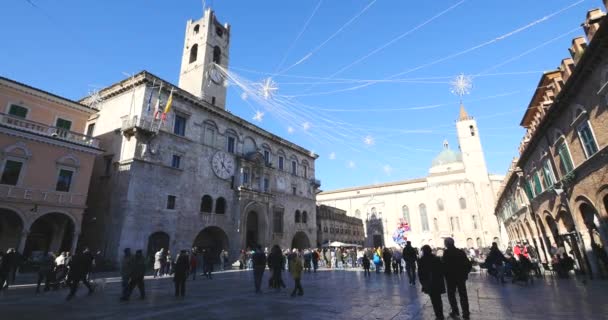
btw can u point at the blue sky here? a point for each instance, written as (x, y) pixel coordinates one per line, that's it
(71, 47)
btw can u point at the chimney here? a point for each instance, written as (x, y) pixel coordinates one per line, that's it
(592, 22)
(566, 68)
(578, 48)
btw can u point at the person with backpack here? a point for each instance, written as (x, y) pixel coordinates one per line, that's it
(457, 267)
(377, 261)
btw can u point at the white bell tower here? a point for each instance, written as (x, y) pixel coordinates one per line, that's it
(470, 147)
(206, 44)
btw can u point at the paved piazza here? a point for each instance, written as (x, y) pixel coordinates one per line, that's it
(328, 295)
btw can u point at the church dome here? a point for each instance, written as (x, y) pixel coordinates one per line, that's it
(447, 156)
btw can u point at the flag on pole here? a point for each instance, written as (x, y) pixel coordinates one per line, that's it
(168, 106)
(157, 106)
(149, 103)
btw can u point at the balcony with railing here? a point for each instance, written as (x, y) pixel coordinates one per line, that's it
(18, 123)
(146, 124)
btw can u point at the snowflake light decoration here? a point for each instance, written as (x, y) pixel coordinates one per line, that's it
(369, 140)
(95, 98)
(306, 125)
(268, 89)
(461, 85)
(259, 116)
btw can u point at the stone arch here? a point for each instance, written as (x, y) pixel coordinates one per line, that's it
(156, 241)
(249, 145)
(553, 228)
(193, 53)
(69, 160)
(51, 232)
(12, 226)
(213, 239)
(577, 111)
(602, 199)
(300, 241)
(254, 224)
(470, 243)
(18, 149)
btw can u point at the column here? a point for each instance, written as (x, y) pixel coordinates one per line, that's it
(22, 240)
(75, 236)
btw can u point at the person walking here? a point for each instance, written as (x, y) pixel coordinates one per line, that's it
(410, 256)
(159, 263)
(366, 264)
(275, 263)
(180, 273)
(126, 268)
(494, 263)
(377, 261)
(431, 276)
(47, 264)
(315, 260)
(259, 264)
(207, 263)
(193, 262)
(4, 271)
(387, 257)
(78, 268)
(457, 267)
(169, 263)
(13, 259)
(296, 274)
(136, 278)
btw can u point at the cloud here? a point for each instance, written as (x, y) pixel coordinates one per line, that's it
(332, 156)
(387, 169)
(351, 164)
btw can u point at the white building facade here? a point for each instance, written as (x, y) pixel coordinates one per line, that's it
(203, 176)
(455, 200)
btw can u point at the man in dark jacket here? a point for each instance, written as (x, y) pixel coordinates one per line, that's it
(431, 277)
(410, 256)
(79, 266)
(180, 273)
(47, 264)
(13, 259)
(494, 263)
(208, 260)
(387, 256)
(136, 277)
(259, 264)
(457, 268)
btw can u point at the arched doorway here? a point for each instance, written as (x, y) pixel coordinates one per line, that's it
(213, 239)
(11, 227)
(52, 232)
(156, 241)
(300, 241)
(252, 237)
(554, 230)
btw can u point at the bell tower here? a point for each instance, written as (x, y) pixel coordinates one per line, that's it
(470, 147)
(206, 45)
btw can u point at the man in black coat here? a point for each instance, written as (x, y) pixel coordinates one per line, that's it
(387, 256)
(410, 256)
(180, 273)
(136, 276)
(259, 264)
(79, 266)
(457, 268)
(431, 276)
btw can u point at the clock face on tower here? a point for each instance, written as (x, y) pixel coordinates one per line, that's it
(223, 165)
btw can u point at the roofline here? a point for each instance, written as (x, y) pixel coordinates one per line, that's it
(50, 96)
(371, 186)
(539, 86)
(145, 76)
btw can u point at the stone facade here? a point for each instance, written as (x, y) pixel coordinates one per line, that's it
(455, 200)
(334, 225)
(46, 164)
(202, 177)
(556, 192)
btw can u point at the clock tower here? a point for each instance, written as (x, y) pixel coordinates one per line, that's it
(206, 46)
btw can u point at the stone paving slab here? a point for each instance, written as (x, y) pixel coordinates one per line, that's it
(328, 295)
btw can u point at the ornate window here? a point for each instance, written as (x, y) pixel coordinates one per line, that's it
(587, 138)
(424, 219)
(463, 203)
(405, 211)
(564, 157)
(440, 205)
(220, 205)
(193, 53)
(548, 176)
(206, 204)
(277, 221)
